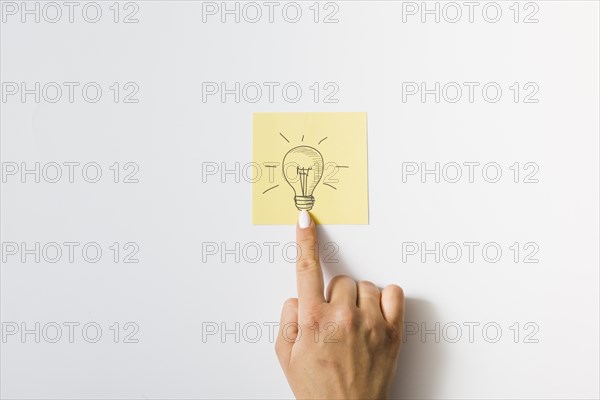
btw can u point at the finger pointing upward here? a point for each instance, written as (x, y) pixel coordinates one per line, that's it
(309, 276)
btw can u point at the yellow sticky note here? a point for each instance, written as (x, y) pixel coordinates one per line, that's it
(314, 161)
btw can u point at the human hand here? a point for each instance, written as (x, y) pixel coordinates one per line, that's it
(344, 346)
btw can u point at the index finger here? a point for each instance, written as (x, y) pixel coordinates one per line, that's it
(309, 276)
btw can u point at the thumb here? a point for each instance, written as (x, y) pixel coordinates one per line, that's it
(288, 332)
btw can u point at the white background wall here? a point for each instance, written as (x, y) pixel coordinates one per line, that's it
(172, 297)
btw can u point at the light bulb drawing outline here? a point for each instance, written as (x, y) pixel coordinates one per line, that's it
(303, 198)
(305, 159)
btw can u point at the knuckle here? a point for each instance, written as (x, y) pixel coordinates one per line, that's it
(374, 330)
(312, 316)
(307, 264)
(347, 317)
(369, 323)
(338, 278)
(372, 321)
(367, 284)
(345, 311)
(307, 244)
(367, 287)
(291, 302)
(395, 290)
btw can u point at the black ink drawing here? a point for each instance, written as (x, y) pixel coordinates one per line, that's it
(302, 169)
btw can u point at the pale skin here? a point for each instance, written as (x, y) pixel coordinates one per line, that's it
(339, 344)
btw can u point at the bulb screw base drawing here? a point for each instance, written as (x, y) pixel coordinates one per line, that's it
(304, 202)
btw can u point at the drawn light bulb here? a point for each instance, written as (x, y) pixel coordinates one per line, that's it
(302, 169)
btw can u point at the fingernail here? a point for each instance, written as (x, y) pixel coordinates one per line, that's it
(304, 219)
